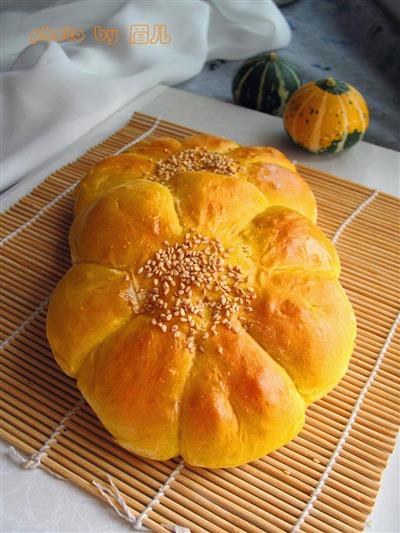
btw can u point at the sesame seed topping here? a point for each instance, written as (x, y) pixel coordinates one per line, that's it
(193, 289)
(193, 159)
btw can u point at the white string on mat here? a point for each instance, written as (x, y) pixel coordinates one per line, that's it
(318, 489)
(19, 458)
(114, 497)
(42, 210)
(141, 137)
(354, 413)
(160, 493)
(16, 455)
(23, 324)
(41, 306)
(60, 196)
(354, 214)
(36, 458)
(117, 502)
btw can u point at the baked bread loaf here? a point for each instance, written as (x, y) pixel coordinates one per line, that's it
(203, 312)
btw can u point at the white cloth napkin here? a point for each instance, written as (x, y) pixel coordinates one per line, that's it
(55, 92)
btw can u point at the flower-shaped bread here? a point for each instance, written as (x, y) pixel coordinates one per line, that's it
(203, 310)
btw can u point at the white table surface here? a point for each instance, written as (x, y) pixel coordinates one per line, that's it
(35, 501)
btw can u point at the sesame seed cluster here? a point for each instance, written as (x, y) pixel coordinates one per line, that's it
(194, 289)
(194, 159)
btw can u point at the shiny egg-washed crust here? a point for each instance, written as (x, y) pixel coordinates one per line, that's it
(245, 393)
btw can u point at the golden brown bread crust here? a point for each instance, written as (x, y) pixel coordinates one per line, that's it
(237, 407)
(219, 384)
(85, 309)
(124, 227)
(305, 323)
(218, 206)
(142, 373)
(108, 174)
(281, 240)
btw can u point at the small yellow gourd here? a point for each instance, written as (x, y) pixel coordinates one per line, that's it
(326, 116)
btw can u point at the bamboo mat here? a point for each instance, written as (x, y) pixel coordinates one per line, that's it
(325, 480)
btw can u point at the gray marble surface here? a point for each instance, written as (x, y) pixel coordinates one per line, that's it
(352, 40)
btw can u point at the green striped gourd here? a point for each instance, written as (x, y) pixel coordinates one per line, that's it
(265, 82)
